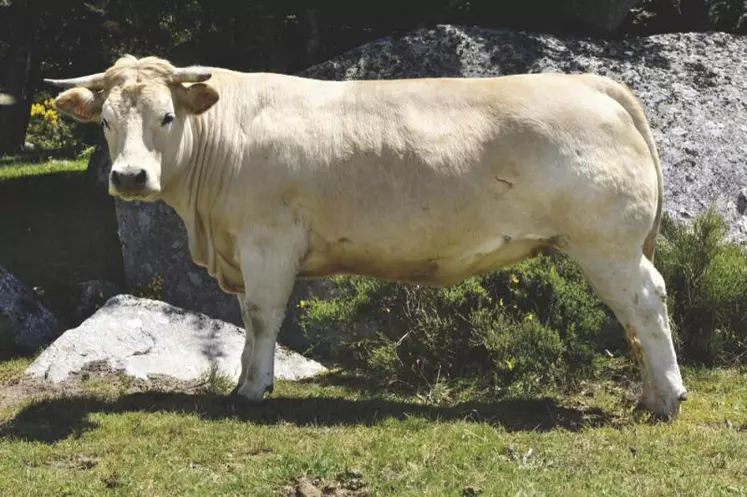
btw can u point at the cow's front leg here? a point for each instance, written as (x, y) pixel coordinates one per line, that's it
(269, 270)
(257, 359)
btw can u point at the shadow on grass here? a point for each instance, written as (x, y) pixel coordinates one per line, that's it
(54, 419)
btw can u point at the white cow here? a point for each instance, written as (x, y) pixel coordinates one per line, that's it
(422, 180)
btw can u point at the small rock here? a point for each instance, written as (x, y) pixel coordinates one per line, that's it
(84, 462)
(525, 458)
(353, 473)
(470, 491)
(112, 481)
(686, 214)
(742, 202)
(729, 424)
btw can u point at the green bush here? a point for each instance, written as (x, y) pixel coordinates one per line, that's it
(47, 131)
(532, 325)
(529, 326)
(706, 280)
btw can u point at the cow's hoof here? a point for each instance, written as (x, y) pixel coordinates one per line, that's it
(663, 407)
(248, 395)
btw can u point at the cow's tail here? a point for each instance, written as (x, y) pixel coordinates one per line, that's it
(625, 97)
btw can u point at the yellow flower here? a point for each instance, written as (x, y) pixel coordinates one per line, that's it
(509, 364)
(37, 109)
(514, 279)
(50, 115)
(303, 304)
(500, 302)
(529, 317)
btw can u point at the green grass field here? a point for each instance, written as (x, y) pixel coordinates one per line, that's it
(14, 169)
(334, 436)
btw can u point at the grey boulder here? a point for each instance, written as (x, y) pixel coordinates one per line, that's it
(694, 94)
(22, 315)
(143, 337)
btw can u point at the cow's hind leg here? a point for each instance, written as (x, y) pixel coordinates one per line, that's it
(635, 291)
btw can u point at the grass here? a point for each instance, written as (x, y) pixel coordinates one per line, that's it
(13, 169)
(336, 431)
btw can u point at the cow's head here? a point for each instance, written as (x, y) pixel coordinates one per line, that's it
(141, 105)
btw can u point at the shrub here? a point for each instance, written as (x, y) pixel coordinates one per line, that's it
(707, 289)
(532, 325)
(47, 131)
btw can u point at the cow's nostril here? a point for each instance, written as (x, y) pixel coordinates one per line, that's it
(116, 178)
(140, 178)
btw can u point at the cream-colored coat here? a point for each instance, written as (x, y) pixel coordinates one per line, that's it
(424, 180)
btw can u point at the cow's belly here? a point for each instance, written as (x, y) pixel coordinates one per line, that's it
(443, 269)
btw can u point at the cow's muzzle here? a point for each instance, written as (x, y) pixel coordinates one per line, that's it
(132, 180)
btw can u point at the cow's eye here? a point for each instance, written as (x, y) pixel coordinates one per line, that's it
(167, 119)
(104, 124)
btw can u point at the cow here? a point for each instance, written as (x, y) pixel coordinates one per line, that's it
(424, 181)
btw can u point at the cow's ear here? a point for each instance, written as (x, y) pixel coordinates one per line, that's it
(80, 104)
(197, 98)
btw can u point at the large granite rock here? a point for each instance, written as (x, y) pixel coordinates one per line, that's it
(23, 318)
(692, 85)
(157, 262)
(694, 92)
(143, 337)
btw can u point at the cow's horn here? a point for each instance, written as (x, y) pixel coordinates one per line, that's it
(93, 82)
(190, 75)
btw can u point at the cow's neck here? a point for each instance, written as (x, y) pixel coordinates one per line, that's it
(197, 196)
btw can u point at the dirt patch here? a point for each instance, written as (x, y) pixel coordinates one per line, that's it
(19, 389)
(347, 484)
(94, 378)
